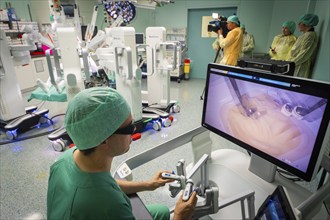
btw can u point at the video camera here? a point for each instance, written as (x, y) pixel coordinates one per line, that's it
(220, 22)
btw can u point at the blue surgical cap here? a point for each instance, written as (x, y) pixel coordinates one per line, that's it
(93, 115)
(234, 19)
(309, 19)
(291, 25)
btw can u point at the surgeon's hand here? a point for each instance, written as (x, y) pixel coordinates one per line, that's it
(220, 31)
(157, 180)
(184, 210)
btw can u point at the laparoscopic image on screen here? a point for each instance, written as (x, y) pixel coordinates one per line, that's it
(278, 122)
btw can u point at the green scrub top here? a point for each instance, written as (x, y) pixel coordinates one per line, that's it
(73, 194)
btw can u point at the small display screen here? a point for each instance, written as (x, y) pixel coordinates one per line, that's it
(276, 207)
(139, 38)
(266, 116)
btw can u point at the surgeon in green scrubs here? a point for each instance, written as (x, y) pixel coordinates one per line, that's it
(80, 186)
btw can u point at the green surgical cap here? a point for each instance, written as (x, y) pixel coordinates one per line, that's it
(93, 115)
(234, 19)
(309, 19)
(242, 26)
(291, 25)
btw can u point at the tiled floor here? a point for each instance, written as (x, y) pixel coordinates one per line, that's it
(24, 165)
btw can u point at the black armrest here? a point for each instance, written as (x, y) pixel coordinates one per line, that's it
(138, 208)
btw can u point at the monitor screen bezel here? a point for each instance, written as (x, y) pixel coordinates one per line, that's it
(301, 85)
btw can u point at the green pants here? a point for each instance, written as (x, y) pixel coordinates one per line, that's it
(159, 212)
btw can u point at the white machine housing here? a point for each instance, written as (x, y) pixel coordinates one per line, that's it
(128, 75)
(67, 38)
(157, 67)
(11, 101)
(106, 55)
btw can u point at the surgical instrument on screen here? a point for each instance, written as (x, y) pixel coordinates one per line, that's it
(248, 111)
(300, 112)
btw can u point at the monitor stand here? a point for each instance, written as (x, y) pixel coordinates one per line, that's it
(262, 168)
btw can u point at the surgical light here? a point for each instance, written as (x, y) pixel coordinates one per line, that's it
(124, 8)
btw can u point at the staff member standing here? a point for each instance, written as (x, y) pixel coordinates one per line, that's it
(283, 43)
(248, 43)
(303, 51)
(232, 44)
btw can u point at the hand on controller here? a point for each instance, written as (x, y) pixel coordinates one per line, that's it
(185, 209)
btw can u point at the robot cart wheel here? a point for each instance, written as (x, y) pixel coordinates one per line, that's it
(157, 126)
(167, 122)
(11, 135)
(58, 145)
(176, 108)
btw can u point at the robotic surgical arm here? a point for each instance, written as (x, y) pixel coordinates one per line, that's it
(31, 37)
(20, 53)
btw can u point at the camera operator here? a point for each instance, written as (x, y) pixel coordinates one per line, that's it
(232, 44)
(219, 54)
(214, 26)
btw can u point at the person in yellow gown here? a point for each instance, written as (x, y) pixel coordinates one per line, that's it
(304, 50)
(283, 42)
(232, 44)
(248, 43)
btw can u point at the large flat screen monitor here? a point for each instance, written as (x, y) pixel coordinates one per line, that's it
(281, 119)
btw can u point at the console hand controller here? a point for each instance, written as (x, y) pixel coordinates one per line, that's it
(188, 190)
(170, 176)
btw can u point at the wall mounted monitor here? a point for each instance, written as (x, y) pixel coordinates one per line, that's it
(139, 38)
(281, 119)
(68, 10)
